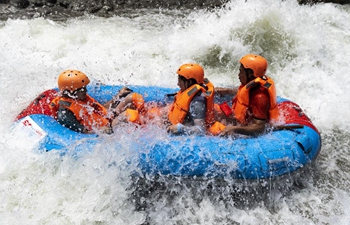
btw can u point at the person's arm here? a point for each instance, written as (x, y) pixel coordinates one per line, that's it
(255, 128)
(122, 101)
(67, 118)
(197, 129)
(260, 109)
(226, 91)
(117, 99)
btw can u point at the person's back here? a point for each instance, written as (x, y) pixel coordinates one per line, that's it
(197, 110)
(81, 115)
(259, 104)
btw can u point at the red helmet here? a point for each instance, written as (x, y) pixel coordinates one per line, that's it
(256, 63)
(194, 71)
(72, 80)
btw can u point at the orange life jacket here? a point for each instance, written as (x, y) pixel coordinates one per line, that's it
(138, 101)
(182, 101)
(240, 103)
(89, 113)
(133, 115)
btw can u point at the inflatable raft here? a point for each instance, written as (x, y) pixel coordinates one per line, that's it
(279, 152)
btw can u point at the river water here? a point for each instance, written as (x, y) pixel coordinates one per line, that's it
(308, 52)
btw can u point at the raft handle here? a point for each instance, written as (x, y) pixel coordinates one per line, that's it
(273, 161)
(284, 127)
(170, 95)
(37, 100)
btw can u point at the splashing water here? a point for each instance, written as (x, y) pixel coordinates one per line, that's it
(307, 50)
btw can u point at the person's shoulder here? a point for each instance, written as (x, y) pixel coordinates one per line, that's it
(260, 91)
(260, 96)
(198, 101)
(199, 97)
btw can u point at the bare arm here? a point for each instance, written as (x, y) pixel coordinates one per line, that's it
(197, 129)
(226, 91)
(120, 102)
(112, 104)
(255, 128)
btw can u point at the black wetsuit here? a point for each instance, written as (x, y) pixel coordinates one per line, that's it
(67, 118)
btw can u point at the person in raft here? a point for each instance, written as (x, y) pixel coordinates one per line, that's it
(79, 112)
(255, 102)
(192, 109)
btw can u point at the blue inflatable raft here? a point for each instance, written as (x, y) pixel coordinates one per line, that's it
(279, 152)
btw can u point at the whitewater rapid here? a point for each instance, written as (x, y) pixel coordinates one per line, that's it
(308, 52)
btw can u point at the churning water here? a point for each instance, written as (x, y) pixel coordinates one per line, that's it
(308, 52)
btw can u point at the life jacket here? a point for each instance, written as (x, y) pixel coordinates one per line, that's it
(89, 113)
(180, 107)
(139, 102)
(133, 115)
(100, 114)
(240, 103)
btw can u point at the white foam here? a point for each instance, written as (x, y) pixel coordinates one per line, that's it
(308, 51)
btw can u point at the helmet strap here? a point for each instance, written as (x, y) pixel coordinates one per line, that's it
(69, 94)
(250, 74)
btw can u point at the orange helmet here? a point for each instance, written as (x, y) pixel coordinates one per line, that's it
(256, 63)
(194, 71)
(72, 80)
